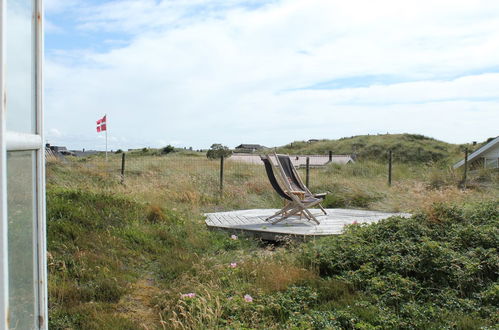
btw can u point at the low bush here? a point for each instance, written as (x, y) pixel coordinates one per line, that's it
(422, 269)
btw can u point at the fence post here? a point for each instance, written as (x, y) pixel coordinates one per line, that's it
(123, 168)
(390, 168)
(330, 156)
(307, 176)
(221, 175)
(465, 174)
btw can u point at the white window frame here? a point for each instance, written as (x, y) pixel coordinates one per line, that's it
(13, 141)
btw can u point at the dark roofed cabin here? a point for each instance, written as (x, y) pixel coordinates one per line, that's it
(248, 148)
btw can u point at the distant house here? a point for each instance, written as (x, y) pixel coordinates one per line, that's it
(485, 157)
(57, 148)
(313, 140)
(298, 160)
(248, 148)
(57, 151)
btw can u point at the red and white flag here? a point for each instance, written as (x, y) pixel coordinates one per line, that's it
(101, 125)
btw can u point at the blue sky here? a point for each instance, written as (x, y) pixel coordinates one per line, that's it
(197, 72)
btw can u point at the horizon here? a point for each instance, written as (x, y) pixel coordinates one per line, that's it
(233, 146)
(193, 73)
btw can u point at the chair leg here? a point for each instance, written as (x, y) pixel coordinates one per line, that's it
(296, 207)
(312, 217)
(303, 209)
(320, 205)
(282, 211)
(290, 213)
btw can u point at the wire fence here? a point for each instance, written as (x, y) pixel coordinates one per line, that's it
(195, 171)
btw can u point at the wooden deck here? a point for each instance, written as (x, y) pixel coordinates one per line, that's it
(253, 222)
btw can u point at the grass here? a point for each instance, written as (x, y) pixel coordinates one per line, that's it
(407, 148)
(122, 255)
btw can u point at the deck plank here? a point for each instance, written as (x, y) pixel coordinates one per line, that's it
(253, 222)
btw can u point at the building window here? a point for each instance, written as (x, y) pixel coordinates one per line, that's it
(23, 275)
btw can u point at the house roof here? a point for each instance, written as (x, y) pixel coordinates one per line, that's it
(249, 146)
(298, 161)
(479, 152)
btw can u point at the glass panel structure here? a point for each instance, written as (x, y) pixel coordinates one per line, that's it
(491, 162)
(21, 208)
(23, 267)
(20, 66)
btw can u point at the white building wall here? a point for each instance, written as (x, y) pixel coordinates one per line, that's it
(491, 157)
(492, 152)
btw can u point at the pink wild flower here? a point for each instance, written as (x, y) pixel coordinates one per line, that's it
(248, 298)
(188, 295)
(234, 237)
(233, 265)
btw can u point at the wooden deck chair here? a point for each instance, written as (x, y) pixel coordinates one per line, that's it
(294, 179)
(295, 203)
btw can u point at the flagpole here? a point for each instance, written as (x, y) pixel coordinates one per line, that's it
(105, 116)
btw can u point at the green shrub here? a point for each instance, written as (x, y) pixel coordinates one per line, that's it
(168, 149)
(447, 258)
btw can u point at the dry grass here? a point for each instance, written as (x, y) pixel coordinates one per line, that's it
(270, 275)
(203, 312)
(191, 184)
(137, 306)
(188, 186)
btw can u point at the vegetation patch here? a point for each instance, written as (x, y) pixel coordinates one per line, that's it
(406, 148)
(436, 268)
(138, 255)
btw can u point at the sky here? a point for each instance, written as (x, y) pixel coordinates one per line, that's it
(196, 72)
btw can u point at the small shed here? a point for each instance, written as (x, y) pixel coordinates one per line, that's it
(485, 157)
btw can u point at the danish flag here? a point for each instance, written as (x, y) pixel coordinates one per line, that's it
(101, 125)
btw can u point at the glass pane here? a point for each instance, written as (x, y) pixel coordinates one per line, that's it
(491, 163)
(20, 69)
(23, 267)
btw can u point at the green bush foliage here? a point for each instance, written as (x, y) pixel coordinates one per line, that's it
(433, 268)
(218, 151)
(168, 149)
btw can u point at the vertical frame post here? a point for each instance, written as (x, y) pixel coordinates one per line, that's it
(123, 168)
(390, 168)
(105, 116)
(307, 176)
(465, 174)
(221, 176)
(4, 256)
(40, 180)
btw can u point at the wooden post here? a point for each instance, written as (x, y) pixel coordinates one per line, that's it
(465, 174)
(390, 168)
(307, 176)
(221, 175)
(330, 156)
(123, 168)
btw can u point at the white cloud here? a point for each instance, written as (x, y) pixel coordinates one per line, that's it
(54, 132)
(58, 6)
(230, 74)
